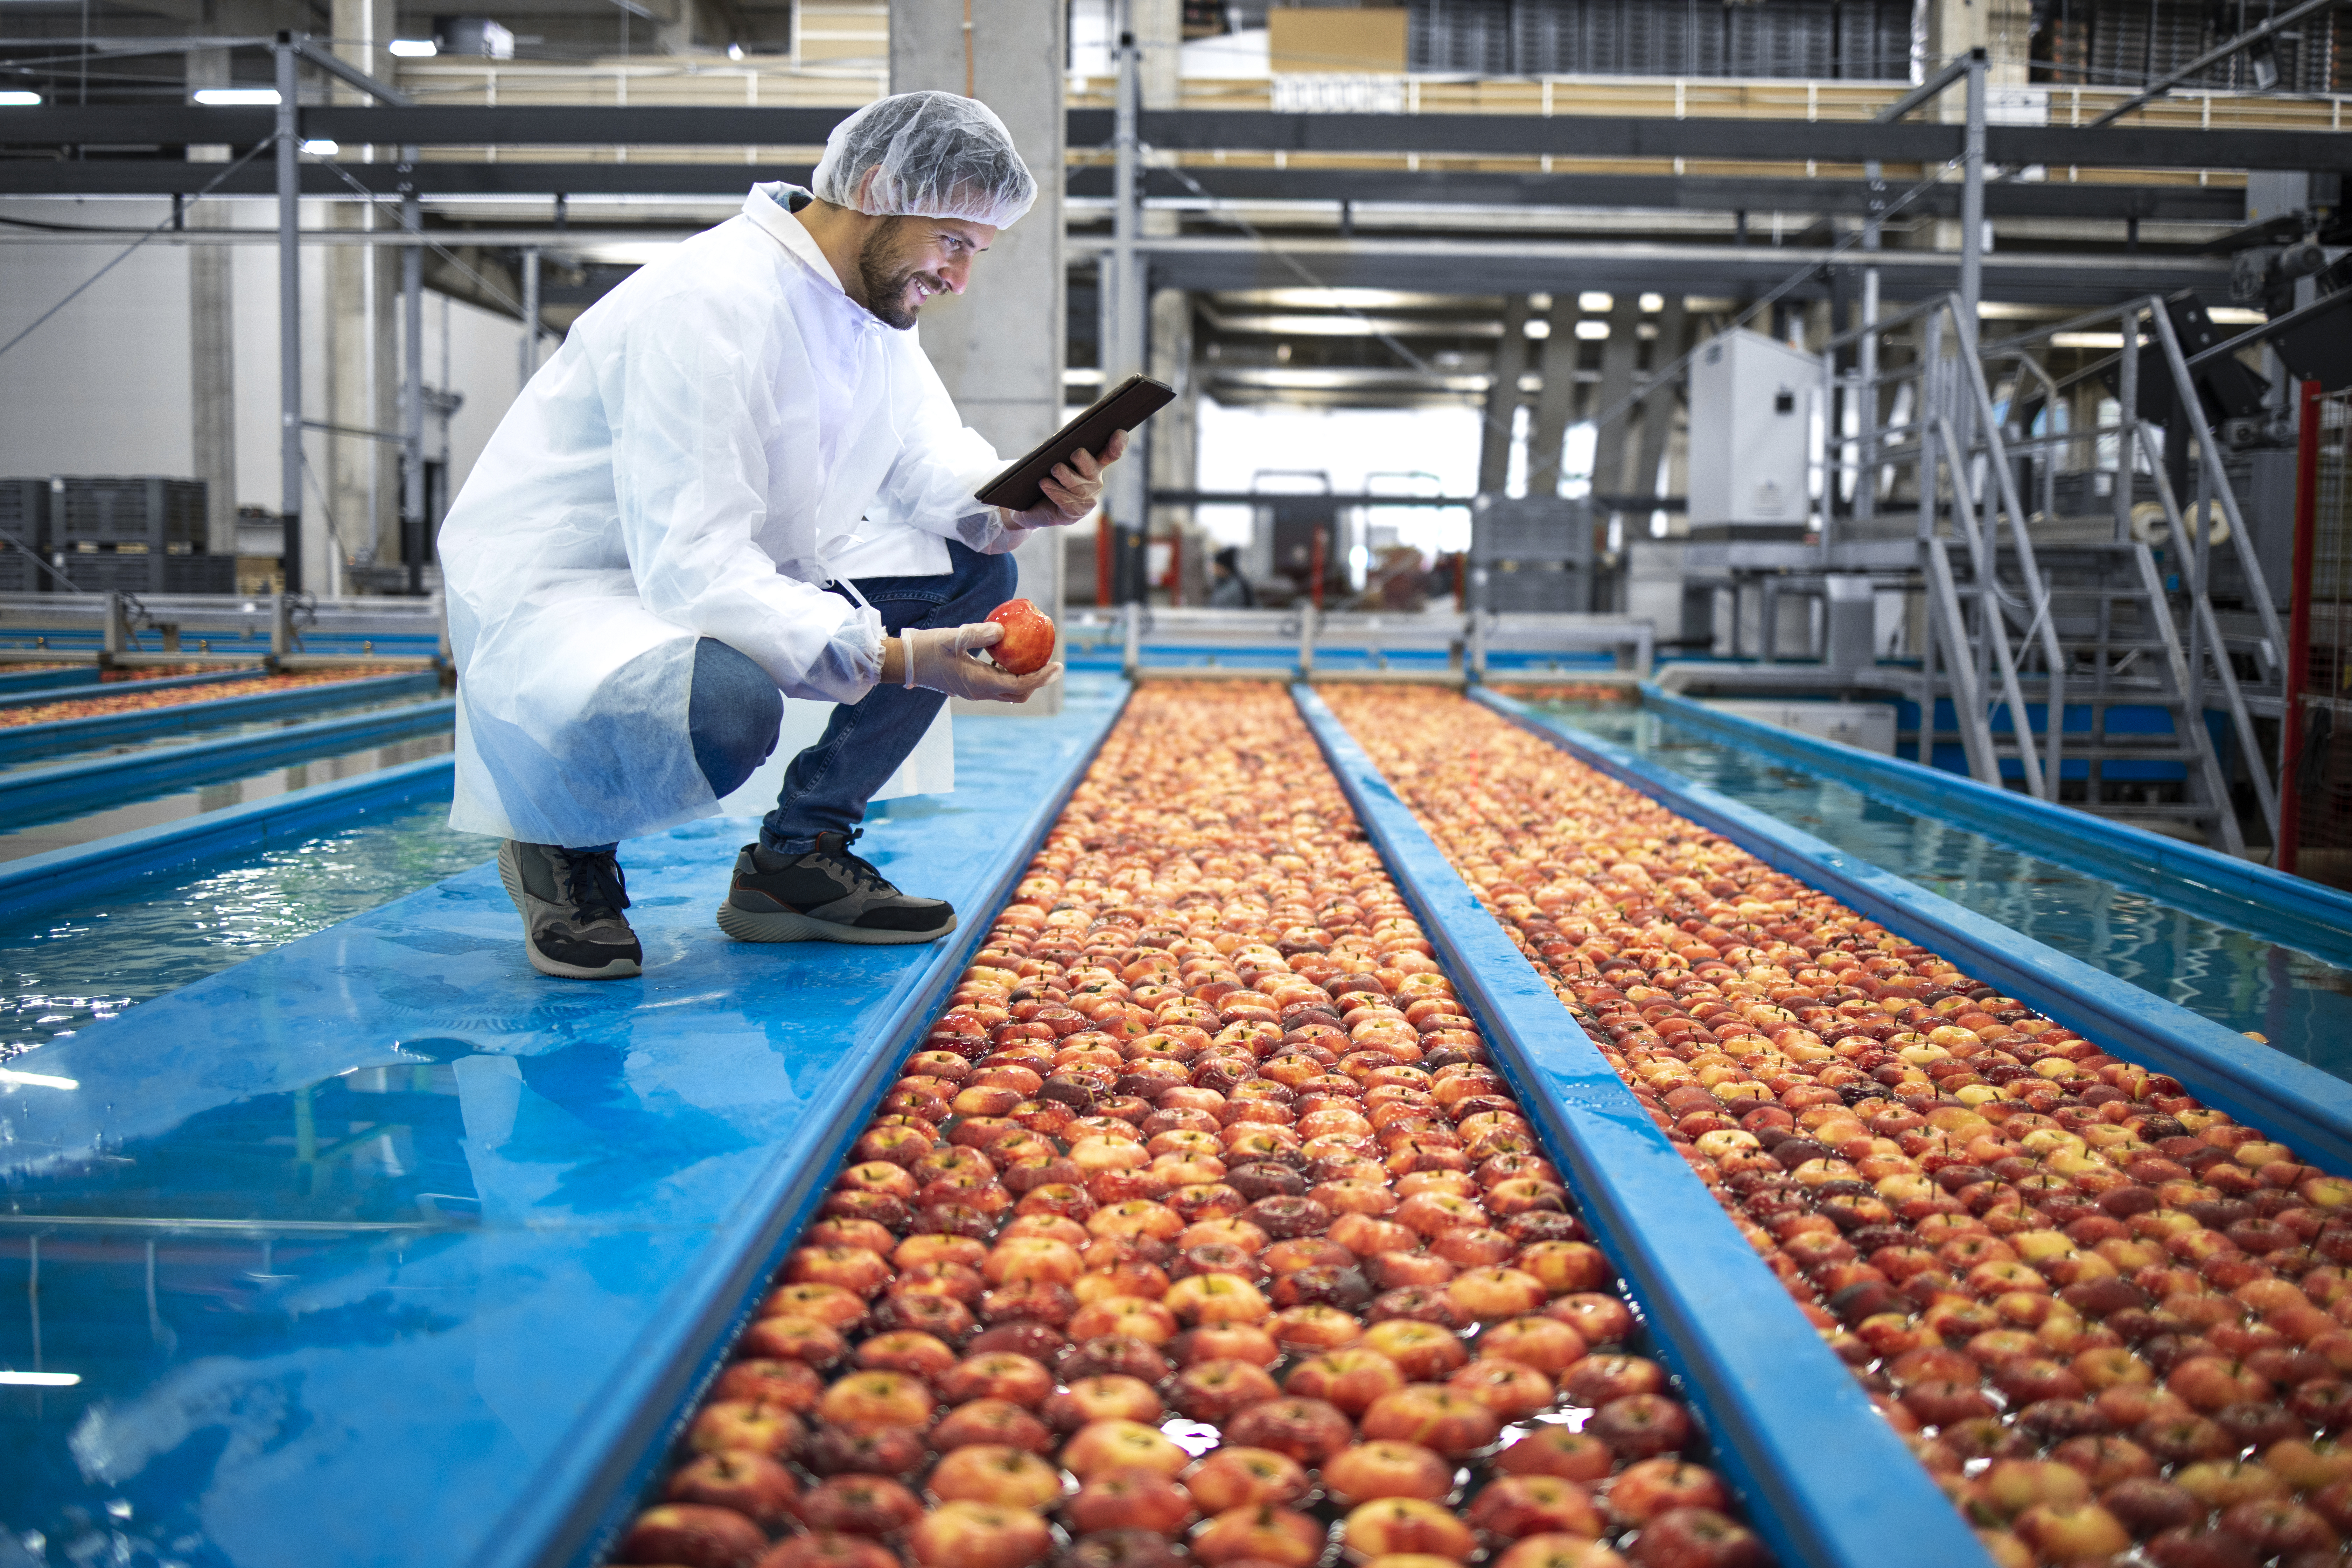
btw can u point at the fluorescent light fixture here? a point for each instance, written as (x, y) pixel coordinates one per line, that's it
(323, 148)
(1653, 303)
(415, 48)
(238, 97)
(2087, 341)
(37, 1079)
(39, 1379)
(16, 97)
(1593, 299)
(1592, 331)
(1538, 328)
(734, 51)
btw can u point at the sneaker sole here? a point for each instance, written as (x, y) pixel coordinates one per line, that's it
(511, 878)
(746, 925)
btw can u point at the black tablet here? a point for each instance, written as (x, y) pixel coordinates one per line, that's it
(1123, 408)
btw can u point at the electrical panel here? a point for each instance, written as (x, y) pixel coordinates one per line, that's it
(1750, 405)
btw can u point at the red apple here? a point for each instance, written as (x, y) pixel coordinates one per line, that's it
(1131, 1499)
(1238, 1476)
(1549, 1450)
(996, 1473)
(899, 1451)
(860, 1505)
(1514, 1506)
(693, 1535)
(1216, 1391)
(1259, 1533)
(1391, 1525)
(1001, 1375)
(829, 1549)
(911, 1351)
(754, 1485)
(1435, 1416)
(1363, 1472)
(1350, 1378)
(967, 1534)
(1028, 643)
(1649, 1488)
(993, 1421)
(1697, 1538)
(1423, 1352)
(1511, 1390)
(1308, 1430)
(1560, 1551)
(1642, 1425)
(1101, 1447)
(1111, 1398)
(787, 1384)
(1602, 1320)
(744, 1427)
(865, 1400)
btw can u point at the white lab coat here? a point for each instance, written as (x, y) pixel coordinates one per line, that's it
(717, 438)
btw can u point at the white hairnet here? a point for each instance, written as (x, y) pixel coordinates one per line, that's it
(932, 154)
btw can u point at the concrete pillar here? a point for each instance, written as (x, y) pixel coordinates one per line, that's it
(1503, 397)
(999, 348)
(1612, 470)
(1158, 28)
(212, 334)
(361, 477)
(1658, 405)
(1556, 402)
(1172, 438)
(2002, 28)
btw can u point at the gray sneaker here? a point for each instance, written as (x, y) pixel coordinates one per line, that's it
(825, 895)
(570, 904)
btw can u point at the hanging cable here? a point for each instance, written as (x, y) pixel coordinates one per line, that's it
(124, 254)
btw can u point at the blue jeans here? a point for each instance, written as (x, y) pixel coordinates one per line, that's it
(734, 710)
(828, 786)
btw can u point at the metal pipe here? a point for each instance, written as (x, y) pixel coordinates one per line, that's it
(2299, 650)
(411, 400)
(1972, 194)
(1926, 90)
(529, 317)
(289, 310)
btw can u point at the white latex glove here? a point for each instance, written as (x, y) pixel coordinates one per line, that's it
(939, 658)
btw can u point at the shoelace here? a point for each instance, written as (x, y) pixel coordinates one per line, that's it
(864, 870)
(592, 886)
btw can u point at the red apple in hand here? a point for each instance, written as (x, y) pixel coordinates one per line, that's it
(1028, 637)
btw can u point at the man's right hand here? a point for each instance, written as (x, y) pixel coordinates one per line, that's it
(939, 658)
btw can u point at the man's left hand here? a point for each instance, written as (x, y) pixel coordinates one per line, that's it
(1073, 488)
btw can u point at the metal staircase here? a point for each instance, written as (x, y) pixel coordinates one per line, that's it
(2034, 615)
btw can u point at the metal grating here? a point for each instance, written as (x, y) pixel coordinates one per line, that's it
(1867, 40)
(2320, 794)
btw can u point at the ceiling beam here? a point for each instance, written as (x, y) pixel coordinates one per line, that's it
(2059, 199)
(1475, 136)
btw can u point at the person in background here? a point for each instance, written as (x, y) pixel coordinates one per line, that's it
(1228, 589)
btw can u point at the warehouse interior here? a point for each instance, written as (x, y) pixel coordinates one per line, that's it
(1681, 896)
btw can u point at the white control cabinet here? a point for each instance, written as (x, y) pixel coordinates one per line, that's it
(1749, 405)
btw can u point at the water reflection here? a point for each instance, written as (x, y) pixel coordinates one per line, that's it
(2301, 1004)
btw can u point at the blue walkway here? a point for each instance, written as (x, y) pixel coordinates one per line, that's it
(379, 1248)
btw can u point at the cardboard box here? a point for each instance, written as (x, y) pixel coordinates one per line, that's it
(1330, 41)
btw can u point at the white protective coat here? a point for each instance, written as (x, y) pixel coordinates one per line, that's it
(718, 436)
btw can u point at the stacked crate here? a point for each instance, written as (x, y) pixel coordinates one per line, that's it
(24, 533)
(140, 534)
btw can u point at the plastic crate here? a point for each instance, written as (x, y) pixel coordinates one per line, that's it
(24, 510)
(166, 515)
(144, 572)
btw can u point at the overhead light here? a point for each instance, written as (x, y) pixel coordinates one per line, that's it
(1593, 299)
(37, 1079)
(17, 99)
(734, 51)
(1592, 331)
(1538, 329)
(1653, 303)
(415, 48)
(238, 97)
(323, 148)
(39, 1379)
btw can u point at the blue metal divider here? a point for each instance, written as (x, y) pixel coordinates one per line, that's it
(81, 870)
(2270, 904)
(572, 1522)
(61, 737)
(73, 788)
(50, 678)
(14, 696)
(2255, 1084)
(1829, 1482)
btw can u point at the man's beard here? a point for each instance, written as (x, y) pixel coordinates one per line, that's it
(884, 273)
